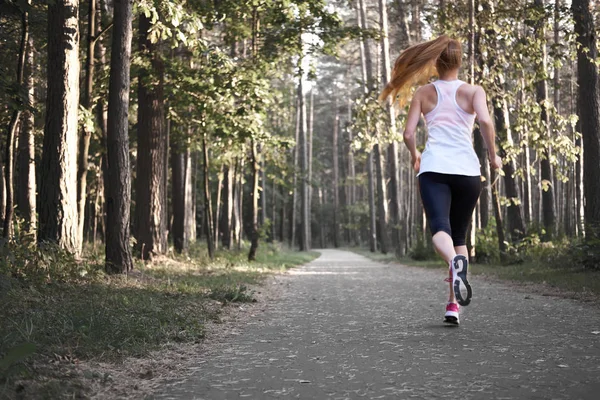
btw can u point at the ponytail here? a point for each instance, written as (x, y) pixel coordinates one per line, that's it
(418, 63)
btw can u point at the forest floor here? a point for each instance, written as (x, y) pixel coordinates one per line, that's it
(74, 332)
(346, 327)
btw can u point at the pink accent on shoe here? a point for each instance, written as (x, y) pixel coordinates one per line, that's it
(452, 307)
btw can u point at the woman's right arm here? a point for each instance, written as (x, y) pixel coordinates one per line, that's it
(487, 126)
(414, 113)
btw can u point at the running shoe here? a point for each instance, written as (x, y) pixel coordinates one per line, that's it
(452, 314)
(459, 266)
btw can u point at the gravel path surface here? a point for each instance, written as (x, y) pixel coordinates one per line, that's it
(346, 327)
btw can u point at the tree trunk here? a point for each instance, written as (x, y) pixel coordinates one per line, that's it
(516, 227)
(282, 214)
(366, 68)
(26, 196)
(118, 187)
(227, 214)
(321, 226)
(304, 214)
(351, 180)
(416, 21)
(336, 177)
(372, 213)
(472, 231)
(218, 206)
(178, 197)
(382, 214)
(151, 205)
(311, 115)
(295, 179)
(86, 132)
(58, 211)
(579, 189)
(393, 147)
(548, 206)
(208, 215)
(238, 202)
(101, 115)
(498, 215)
(12, 127)
(381, 190)
(254, 163)
(189, 226)
(404, 29)
(589, 112)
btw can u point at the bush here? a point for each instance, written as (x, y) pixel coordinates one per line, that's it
(29, 262)
(486, 244)
(422, 252)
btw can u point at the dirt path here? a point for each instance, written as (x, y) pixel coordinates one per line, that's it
(350, 328)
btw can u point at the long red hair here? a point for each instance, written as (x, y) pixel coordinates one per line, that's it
(417, 64)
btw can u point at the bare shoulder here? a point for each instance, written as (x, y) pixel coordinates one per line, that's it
(470, 90)
(425, 90)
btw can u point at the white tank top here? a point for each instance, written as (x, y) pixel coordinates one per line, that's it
(449, 147)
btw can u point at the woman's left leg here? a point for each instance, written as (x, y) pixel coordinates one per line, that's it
(465, 194)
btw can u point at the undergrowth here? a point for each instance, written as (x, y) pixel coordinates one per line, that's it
(56, 308)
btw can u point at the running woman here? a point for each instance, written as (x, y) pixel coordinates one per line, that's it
(448, 170)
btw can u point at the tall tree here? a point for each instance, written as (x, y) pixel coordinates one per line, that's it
(118, 184)
(588, 79)
(255, 167)
(311, 120)
(375, 156)
(58, 211)
(151, 205)
(548, 206)
(393, 146)
(208, 214)
(87, 103)
(14, 120)
(336, 177)
(227, 214)
(26, 195)
(304, 211)
(178, 187)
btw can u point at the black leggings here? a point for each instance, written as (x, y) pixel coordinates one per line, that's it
(449, 201)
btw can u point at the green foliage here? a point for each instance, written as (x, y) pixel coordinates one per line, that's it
(486, 244)
(35, 264)
(422, 252)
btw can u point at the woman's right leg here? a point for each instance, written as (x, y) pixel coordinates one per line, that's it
(437, 199)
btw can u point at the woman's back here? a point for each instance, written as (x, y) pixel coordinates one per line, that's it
(449, 148)
(464, 97)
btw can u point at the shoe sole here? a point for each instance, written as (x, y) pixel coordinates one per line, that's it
(451, 317)
(460, 275)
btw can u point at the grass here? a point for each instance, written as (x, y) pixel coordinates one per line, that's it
(59, 310)
(572, 280)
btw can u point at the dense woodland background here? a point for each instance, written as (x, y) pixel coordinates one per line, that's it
(149, 125)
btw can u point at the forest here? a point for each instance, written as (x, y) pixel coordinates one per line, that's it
(148, 126)
(200, 143)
